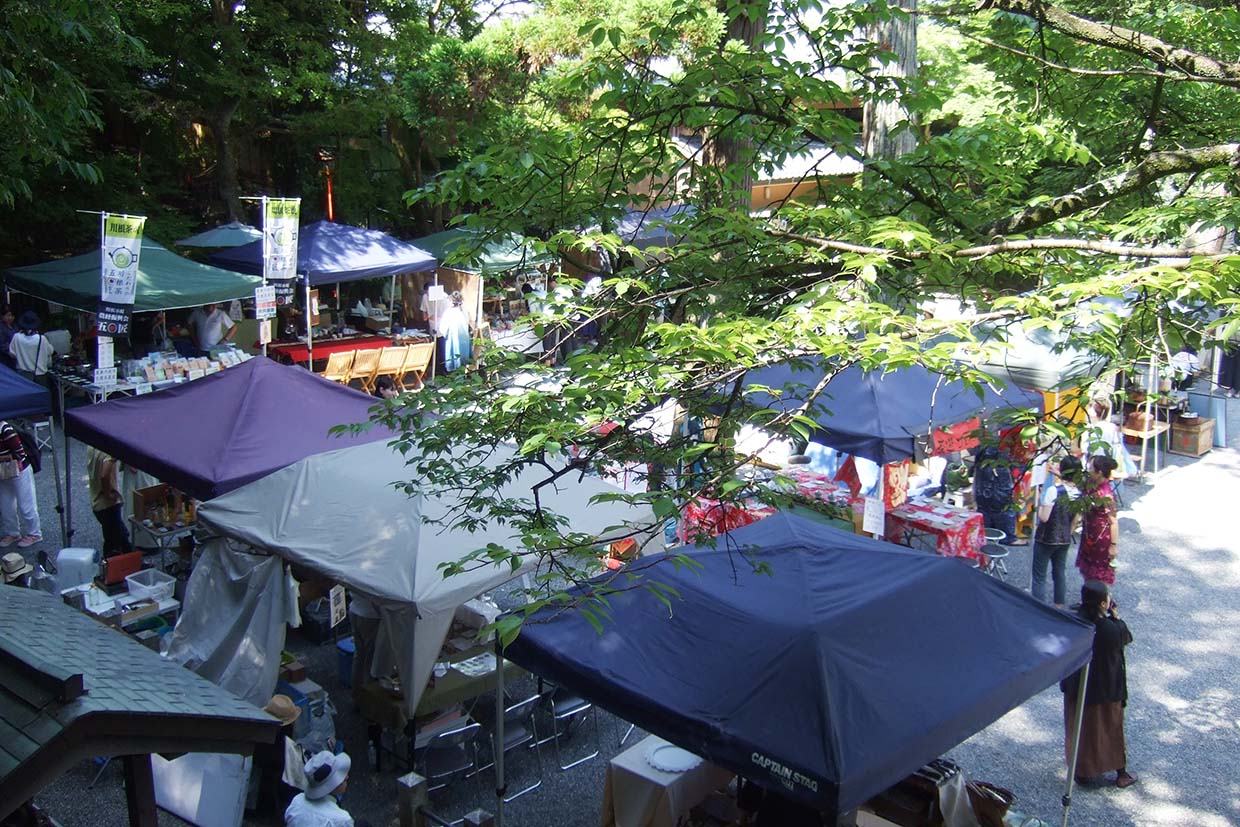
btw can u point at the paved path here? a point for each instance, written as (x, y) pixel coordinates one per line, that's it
(1177, 584)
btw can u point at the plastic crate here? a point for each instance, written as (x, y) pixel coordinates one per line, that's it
(151, 583)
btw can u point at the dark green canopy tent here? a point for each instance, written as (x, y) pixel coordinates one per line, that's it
(166, 281)
(495, 256)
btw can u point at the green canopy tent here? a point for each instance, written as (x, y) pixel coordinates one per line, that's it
(467, 258)
(166, 281)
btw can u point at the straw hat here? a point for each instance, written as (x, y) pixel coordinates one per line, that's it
(14, 566)
(325, 772)
(282, 707)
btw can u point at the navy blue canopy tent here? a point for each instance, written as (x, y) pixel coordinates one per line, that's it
(873, 414)
(328, 252)
(21, 397)
(849, 665)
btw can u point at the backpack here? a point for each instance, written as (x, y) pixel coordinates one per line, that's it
(1057, 531)
(34, 457)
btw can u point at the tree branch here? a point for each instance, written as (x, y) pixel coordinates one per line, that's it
(1155, 166)
(1195, 65)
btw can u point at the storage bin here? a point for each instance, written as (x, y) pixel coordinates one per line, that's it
(151, 583)
(345, 651)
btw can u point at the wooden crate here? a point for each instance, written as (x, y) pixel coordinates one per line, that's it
(1192, 438)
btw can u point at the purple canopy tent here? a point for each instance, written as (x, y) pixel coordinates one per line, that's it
(218, 433)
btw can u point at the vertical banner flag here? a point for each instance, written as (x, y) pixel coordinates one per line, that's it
(121, 246)
(280, 217)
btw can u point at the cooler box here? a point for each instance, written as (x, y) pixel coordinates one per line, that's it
(76, 567)
(345, 651)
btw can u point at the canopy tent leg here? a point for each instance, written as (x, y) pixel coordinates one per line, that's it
(309, 329)
(68, 515)
(338, 299)
(392, 307)
(1076, 742)
(60, 496)
(498, 744)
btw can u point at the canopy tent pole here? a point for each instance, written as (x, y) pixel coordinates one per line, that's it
(68, 515)
(338, 298)
(309, 329)
(60, 498)
(498, 742)
(1076, 742)
(392, 306)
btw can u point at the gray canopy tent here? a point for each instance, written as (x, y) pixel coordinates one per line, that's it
(340, 515)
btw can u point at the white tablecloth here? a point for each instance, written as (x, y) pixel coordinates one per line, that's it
(635, 794)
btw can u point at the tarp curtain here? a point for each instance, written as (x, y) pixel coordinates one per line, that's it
(838, 670)
(231, 629)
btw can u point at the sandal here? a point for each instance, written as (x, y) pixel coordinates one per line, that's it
(1125, 779)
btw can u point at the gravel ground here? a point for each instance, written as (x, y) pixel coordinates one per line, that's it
(1177, 580)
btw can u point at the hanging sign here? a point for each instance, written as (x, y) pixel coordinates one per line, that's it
(265, 302)
(280, 217)
(264, 332)
(336, 596)
(873, 519)
(121, 246)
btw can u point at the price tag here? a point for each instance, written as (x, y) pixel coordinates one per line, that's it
(143, 388)
(873, 520)
(196, 373)
(336, 595)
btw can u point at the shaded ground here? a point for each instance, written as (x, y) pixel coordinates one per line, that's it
(1178, 576)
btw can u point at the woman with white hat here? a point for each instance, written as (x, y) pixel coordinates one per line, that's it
(327, 777)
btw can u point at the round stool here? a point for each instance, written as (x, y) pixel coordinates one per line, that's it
(996, 555)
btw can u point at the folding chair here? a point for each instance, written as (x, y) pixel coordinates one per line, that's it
(449, 755)
(338, 366)
(365, 363)
(417, 362)
(392, 363)
(566, 706)
(521, 731)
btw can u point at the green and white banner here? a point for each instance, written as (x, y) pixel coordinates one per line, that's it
(280, 219)
(122, 247)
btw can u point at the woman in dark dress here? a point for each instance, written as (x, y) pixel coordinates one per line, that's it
(1102, 748)
(1095, 556)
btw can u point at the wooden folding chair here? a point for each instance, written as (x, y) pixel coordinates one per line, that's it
(338, 366)
(417, 362)
(392, 363)
(365, 363)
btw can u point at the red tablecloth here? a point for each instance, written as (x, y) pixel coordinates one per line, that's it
(298, 352)
(814, 486)
(956, 532)
(710, 518)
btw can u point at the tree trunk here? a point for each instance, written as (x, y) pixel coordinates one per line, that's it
(880, 118)
(720, 153)
(226, 158)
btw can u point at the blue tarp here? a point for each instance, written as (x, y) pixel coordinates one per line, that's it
(217, 433)
(845, 668)
(21, 397)
(655, 227)
(878, 415)
(329, 252)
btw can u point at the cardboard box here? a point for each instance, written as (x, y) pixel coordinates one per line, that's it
(293, 672)
(1192, 438)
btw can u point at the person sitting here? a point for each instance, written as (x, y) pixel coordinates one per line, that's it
(761, 807)
(327, 778)
(385, 388)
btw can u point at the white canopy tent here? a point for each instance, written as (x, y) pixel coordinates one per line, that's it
(340, 514)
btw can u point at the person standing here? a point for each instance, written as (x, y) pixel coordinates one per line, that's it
(1100, 531)
(106, 501)
(364, 621)
(1102, 747)
(7, 330)
(209, 326)
(17, 494)
(1054, 534)
(327, 778)
(31, 350)
(993, 488)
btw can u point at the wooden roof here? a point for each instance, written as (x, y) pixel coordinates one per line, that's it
(72, 688)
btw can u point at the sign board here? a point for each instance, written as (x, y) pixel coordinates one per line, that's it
(314, 307)
(105, 352)
(234, 310)
(143, 388)
(435, 293)
(280, 232)
(113, 319)
(336, 596)
(873, 520)
(264, 331)
(105, 377)
(265, 302)
(121, 247)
